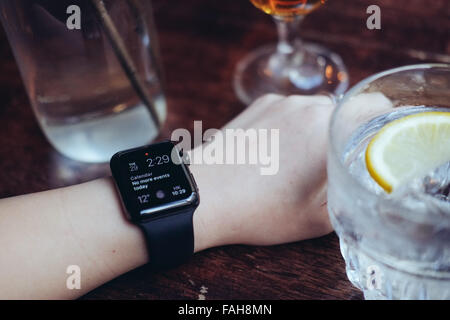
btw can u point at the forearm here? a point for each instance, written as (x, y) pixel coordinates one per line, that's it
(84, 225)
(46, 232)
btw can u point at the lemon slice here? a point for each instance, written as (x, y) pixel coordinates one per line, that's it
(409, 147)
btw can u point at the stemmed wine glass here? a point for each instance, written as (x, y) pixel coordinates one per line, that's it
(291, 66)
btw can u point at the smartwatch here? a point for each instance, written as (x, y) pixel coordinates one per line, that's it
(159, 194)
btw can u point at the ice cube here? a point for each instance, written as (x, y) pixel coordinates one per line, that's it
(437, 183)
(426, 199)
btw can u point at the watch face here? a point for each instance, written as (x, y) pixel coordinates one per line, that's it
(152, 180)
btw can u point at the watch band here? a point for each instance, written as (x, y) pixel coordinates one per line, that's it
(170, 239)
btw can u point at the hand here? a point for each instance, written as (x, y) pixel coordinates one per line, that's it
(241, 206)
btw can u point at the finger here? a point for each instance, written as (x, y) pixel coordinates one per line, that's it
(293, 108)
(361, 109)
(299, 101)
(249, 115)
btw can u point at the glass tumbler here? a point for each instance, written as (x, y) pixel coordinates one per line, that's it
(395, 245)
(95, 89)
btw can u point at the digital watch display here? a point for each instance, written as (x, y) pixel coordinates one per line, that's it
(153, 180)
(160, 196)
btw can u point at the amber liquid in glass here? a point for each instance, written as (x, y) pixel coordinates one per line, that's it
(287, 8)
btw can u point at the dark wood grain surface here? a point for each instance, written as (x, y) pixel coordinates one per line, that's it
(201, 42)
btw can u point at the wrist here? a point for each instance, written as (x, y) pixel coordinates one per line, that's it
(128, 247)
(210, 224)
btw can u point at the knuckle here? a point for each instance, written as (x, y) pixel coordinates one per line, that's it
(267, 98)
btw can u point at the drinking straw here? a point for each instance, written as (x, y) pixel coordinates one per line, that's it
(137, 9)
(125, 59)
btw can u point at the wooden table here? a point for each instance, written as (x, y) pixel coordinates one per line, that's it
(201, 42)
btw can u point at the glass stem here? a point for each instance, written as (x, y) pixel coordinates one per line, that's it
(288, 40)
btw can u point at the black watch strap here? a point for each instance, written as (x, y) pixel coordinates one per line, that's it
(170, 240)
